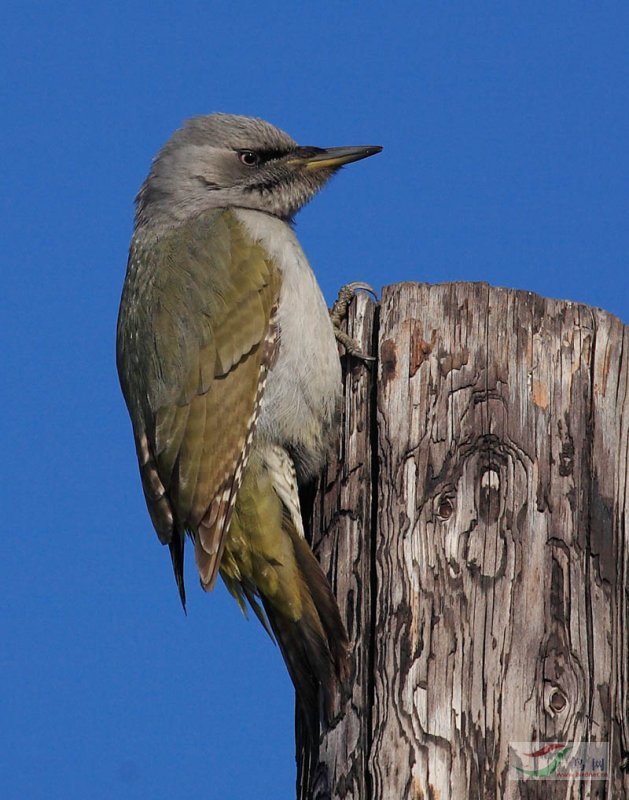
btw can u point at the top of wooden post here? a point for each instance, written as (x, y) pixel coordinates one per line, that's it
(474, 527)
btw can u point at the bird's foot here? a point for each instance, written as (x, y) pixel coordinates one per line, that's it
(339, 311)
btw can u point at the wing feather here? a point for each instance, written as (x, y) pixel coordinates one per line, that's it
(167, 446)
(197, 334)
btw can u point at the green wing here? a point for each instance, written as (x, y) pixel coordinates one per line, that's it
(196, 335)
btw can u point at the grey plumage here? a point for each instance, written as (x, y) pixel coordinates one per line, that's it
(196, 170)
(229, 366)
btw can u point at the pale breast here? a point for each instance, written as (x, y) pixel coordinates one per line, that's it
(303, 390)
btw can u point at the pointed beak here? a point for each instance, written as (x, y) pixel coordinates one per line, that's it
(313, 158)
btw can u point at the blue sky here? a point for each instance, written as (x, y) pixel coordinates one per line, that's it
(505, 128)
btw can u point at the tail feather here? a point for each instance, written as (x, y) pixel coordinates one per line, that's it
(315, 647)
(176, 547)
(267, 557)
(326, 606)
(306, 659)
(309, 665)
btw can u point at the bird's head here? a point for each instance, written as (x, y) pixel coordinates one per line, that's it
(223, 160)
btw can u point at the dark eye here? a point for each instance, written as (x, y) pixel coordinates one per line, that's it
(249, 158)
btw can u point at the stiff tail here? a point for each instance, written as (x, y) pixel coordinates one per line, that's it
(267, 556)
(315, 646)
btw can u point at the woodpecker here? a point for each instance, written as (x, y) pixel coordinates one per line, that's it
(229, 367)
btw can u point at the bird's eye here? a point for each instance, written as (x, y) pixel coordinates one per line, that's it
(249, 158)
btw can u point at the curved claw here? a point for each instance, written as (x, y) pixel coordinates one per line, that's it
(357, 286)
(352, 348)
(339, 311)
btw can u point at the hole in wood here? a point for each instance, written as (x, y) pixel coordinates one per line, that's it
(557, 701)
(445, 508)
(489, 499)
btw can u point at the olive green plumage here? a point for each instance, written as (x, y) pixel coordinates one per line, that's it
(229, 366)
(266, 556)
(196, 338)
(199, 307)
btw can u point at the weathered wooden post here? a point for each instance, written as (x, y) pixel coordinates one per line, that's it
(476, 529)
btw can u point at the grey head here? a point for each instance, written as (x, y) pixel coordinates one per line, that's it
(224, 160)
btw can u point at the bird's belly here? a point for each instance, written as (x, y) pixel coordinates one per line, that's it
(301, 402)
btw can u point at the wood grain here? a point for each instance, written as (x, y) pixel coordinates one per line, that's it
(342, 523)
(485, 575)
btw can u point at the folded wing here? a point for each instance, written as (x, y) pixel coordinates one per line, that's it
(197, 334)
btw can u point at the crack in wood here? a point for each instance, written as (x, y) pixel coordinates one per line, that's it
(475, 522)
